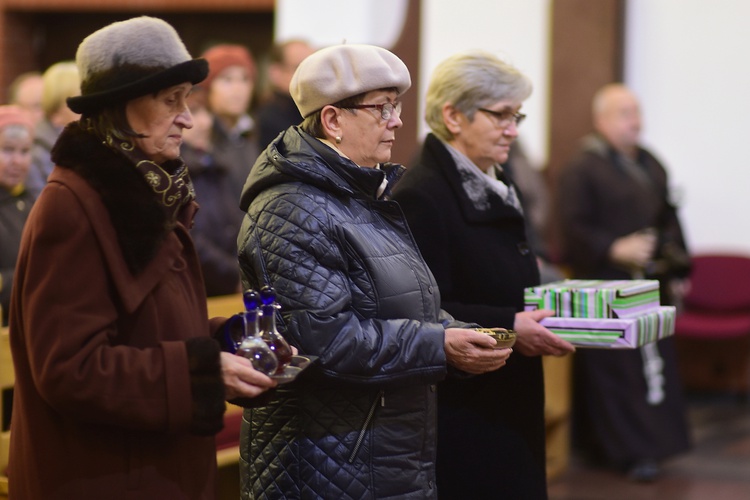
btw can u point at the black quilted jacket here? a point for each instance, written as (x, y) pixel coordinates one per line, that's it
(355, 292)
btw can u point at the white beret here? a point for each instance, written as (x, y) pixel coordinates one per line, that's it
(334, 73)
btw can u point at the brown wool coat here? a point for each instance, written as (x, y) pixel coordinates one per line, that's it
(103, 403)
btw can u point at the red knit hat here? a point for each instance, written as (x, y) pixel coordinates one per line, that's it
(11, 114)
(222, 56)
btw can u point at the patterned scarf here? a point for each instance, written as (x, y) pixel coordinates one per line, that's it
(478, 185)
(170, 182)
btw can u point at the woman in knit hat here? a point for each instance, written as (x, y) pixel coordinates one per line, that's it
(119, 385)
(16, 136)
(230, 84)
(354, 291)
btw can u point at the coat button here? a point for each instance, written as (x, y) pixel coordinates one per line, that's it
(523, 248)
(433, 388)
(429, 484)
(429, 289)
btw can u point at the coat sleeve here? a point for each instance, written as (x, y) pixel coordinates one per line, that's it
(291, 243)
(79, 361)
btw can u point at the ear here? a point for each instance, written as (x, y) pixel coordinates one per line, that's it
(330, 119)
(453, 118)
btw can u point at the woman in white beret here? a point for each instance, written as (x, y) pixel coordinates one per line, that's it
(355, 292)
(120, 386)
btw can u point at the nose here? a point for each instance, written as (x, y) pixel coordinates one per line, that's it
(185, 119)
(395, 121)
(511, 130)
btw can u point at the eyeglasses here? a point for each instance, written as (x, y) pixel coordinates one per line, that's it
(387, 109)
(504, 118)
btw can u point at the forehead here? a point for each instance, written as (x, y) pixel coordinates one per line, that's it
(295, 52)
(503, 105)
(179, 88)
(380, 95)
(14, 132)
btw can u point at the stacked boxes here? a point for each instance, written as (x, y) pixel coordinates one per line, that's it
(620, 314)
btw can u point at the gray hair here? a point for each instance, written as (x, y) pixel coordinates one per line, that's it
(469, 81)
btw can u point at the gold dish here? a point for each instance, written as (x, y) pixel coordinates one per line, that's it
(505, 338)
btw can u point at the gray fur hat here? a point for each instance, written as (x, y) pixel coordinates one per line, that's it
(130, 59)
(334, 73)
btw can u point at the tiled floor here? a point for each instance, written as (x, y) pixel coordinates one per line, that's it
(718, 467)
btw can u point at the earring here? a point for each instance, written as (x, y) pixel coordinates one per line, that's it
(338, 139)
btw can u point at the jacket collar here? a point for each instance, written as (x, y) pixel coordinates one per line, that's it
(140, 222)
(296, 156)
(435, 155)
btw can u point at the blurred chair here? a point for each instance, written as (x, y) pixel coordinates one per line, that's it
(712, 332)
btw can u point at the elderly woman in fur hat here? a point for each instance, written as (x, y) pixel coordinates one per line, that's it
(354, 291)
(119, 385)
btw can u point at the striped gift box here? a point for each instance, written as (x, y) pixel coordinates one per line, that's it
(575, 298)
(614, 333)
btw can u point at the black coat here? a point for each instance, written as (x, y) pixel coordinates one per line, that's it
(14, 210)
(355, 292)
(217, 222)
(491, 427)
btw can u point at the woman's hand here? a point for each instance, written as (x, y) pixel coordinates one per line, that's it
(472, 351)
(534, 339)
(241, 380)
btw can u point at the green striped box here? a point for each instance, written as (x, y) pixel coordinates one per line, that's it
(595, 298)
(614, 333)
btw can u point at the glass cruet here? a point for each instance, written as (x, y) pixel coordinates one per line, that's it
(253, 346)
(268, 331)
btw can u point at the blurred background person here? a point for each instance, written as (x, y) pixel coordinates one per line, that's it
(616, 221)
(119, 386)
(219, 219)
(16, 135)
(60, 81)
(230, 84)
(354, 291)
(25, 91)
(277, 110)
(470, 227)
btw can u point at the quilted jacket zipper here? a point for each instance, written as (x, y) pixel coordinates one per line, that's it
(358, 444)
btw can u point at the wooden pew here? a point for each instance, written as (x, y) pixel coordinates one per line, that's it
(7, 379)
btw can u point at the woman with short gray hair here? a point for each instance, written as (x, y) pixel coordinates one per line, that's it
(469, 225)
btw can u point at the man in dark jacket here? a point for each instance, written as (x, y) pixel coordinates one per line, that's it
(616, 222)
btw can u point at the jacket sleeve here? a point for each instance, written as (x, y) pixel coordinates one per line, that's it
(291, 244)
(79, 361)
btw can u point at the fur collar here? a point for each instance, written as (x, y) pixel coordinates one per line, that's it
(139, 220)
